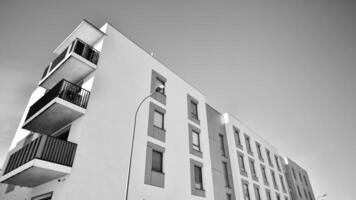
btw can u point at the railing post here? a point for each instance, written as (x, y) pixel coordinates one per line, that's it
(41, 146)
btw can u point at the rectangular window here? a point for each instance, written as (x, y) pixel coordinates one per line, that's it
(226, 175)
(257, 192)
(295, 177)
(46, 196)
(242, 164)
(159, 84)
(222, 145)
(228, 197)
(253, 169)
(196, 140)
(246, 191)
(157, 161)
(264, 175)
(268, 194)
(156, 81)
(278, 197)
(310, 196)
(282, 183)
(299, 193)
(194, 107)
(277, 162)
(158, 119)
(305, 180)
(237, 137)
(274, 179)
(248, 144)
(198, 178)
(269, 157)
(300, 177)
(258, 146)
(154, 174)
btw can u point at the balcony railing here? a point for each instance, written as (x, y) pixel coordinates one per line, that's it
(64, 90)
(45, 148)
(78, 47)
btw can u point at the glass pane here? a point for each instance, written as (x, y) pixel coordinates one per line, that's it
(159, 82)
(156, 161)
(194, 107)
(196, 142)
(158, 119)
(198, 177)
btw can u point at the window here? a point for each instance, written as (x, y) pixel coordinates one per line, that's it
(305, 180)
(228, 197)
(226, 175)
(160, 83)
(274, 179)
(198, 178)
(253, 169)
(282, 183)
(278, 197)
(264, 175)
(158, 119)
(240, 157)
(154, 174)
(257, 192)
(310, 196)
(196, 140)
(248, 144)
(193, 113)
(295, 177)
(194, 107)
(47, 196)
(222, 145)
(246, 191)
(157, 80)
(156, 122)
(277, 163)
(196, 170)
(305, 194)
(258, 146)
(268, 194)
(269, 157)
(237, 137)
(299, 193)
(157, 161)
(300, 177)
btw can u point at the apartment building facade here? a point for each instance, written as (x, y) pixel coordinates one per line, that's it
(75, 139)
(298, 181)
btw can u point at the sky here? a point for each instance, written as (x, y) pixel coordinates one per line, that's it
(286, 68)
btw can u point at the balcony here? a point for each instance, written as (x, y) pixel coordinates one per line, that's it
(73, 64)
(60, 106)
(43, 159)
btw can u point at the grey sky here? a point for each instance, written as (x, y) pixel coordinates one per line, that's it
(286, 68)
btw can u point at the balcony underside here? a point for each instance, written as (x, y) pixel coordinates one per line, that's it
(73, 68)
(34, 173)
(55, 115)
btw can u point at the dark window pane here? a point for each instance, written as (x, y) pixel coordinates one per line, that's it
(198, 177)
(158, 119)
(194, 107)
(157, 158)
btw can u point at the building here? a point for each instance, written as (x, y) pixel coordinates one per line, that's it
(75, 139)
(298, 181)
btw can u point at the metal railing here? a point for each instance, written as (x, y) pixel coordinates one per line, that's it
(45, 148)
(64, 90)
(79, 47)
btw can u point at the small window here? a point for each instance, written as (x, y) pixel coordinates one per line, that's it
(268, 194)
(269, 157)
(257, 193)
(299, 193)
(198, 178)
(248, 144)
(246, 191)
(242, 163)
(278, 197)
(159, 83)
(274, 179)
(253, 169)
(264, 175)
(47, 196)
(295, 177)
(237, 137)
(158, 119)
(310, 196)
(228, 197)
(300, 177)
(157, 161)
(282, 183)
(194, 107)
(222, 145)
(196, 140)
(305, 180)
(226, 175)
(305, 194)
(258, 146)
(277, 162)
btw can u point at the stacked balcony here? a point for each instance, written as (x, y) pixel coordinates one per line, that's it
(60, 106)
(73, 64)
(43, 159)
